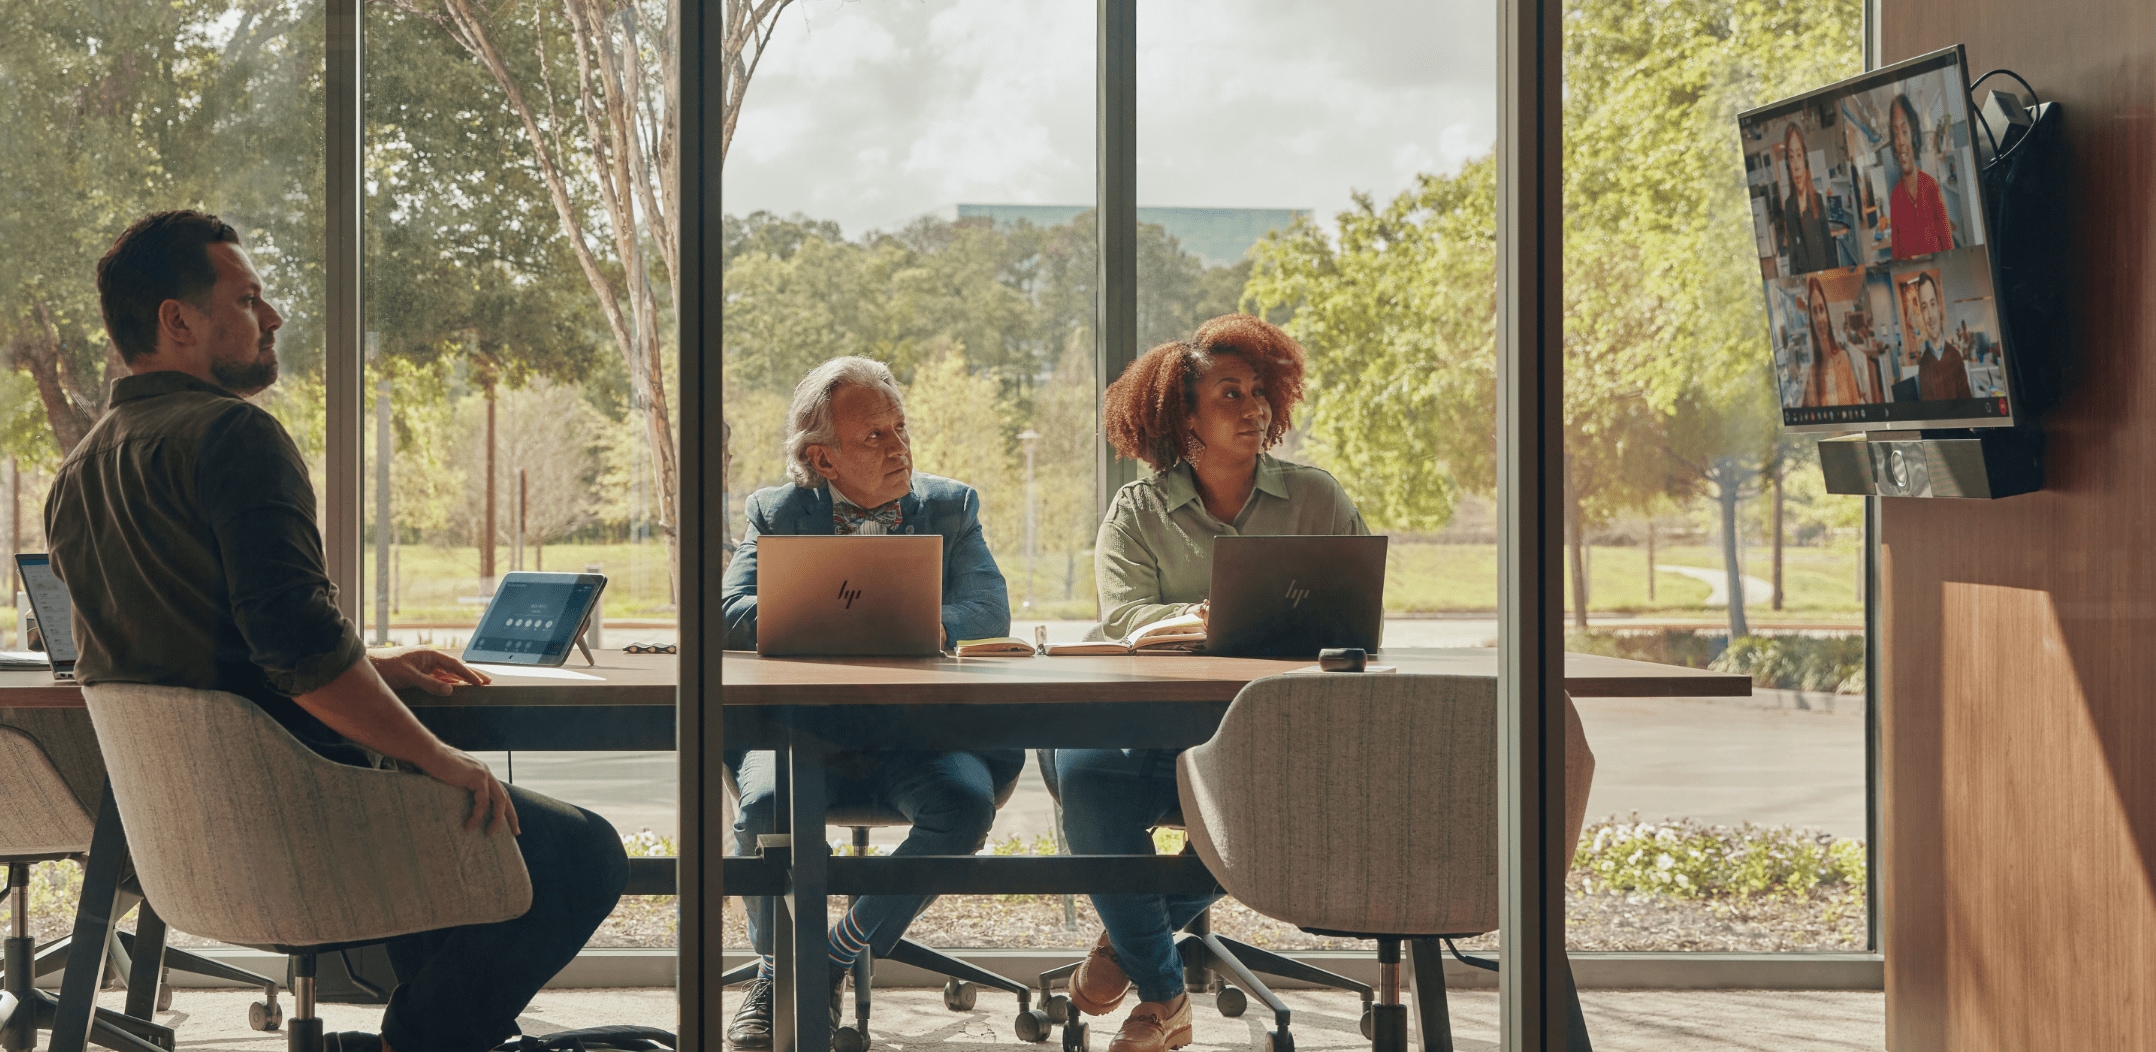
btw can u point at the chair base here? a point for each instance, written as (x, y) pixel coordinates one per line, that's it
(1205, 955)
(960, 992)
(144, 980)
(22, 1016)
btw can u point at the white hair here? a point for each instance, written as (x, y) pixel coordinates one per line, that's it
(808, 419)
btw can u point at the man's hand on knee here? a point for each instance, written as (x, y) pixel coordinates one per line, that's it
(490, 800)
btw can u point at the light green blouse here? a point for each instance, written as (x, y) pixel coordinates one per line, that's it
(1155, 551)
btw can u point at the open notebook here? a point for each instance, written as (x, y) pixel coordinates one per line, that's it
(1181, 634)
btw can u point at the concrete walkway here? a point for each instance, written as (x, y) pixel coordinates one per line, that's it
(916, 1021)
(1728, 762)
(1756, 590)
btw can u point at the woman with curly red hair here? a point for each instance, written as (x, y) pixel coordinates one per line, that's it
(1202, 413)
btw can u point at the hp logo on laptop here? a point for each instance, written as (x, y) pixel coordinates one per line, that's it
(1296, 595)
(849, 595)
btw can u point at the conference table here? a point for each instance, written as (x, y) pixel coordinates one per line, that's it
(810, 709)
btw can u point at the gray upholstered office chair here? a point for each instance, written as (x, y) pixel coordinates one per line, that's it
(1206, 955)
(1366, 807)
(48, 798)
(961, 980)
(239, 833)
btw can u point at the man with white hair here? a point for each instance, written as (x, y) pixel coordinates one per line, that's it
(851, 463)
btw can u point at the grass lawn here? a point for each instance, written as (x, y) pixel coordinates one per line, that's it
(430, 580)
(1435, 578)
(1420, 578)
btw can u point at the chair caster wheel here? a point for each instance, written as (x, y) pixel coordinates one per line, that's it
(1369, 1023)
(265, 1016)
(959, 997)
(1231, 1002)
(164, 998)
(1279, 1041)
(1077, 1036)
(1058, 1008)
(1034, 1026)
(849, 1039)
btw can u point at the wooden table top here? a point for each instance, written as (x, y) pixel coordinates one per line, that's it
(649, 680)
(751, 680)
(621, 679)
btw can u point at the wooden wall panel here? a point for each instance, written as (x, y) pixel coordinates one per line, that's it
(2020, 635)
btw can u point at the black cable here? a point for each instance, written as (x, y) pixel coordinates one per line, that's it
(2033, 103)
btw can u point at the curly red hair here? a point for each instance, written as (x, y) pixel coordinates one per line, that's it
(1147, 410)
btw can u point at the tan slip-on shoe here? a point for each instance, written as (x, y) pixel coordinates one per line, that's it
(1155, 1026)
(1099, 983)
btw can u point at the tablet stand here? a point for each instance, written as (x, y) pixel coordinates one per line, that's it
(580, 644)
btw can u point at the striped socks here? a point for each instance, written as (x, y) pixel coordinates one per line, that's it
(848, 942)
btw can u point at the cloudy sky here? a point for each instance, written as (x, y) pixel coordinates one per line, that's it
(872, 112)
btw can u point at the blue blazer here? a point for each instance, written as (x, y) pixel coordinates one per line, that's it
(975, 603)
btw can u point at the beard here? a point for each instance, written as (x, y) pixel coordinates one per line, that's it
(247, 377)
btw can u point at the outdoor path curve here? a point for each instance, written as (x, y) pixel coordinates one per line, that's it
(1755, 589)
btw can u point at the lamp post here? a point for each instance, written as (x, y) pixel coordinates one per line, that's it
(1029, 438)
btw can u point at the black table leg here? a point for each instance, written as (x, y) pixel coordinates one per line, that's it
(1428, 979)
(149, 963)
(809, 1005)
(94, 918)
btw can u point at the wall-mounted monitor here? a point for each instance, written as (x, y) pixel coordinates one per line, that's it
(1869, 224)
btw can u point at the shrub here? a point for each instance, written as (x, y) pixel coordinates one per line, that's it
(1675, 646)
(1833, 663)
(1688, 859)
(1785, 662)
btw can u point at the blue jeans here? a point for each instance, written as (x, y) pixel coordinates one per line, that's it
(1112, 798)
(949, 797)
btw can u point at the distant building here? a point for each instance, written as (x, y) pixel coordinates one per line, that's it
(1220, 236)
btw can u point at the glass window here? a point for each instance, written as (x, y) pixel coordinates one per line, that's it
(915, 185)
(519, 340)
(213, 106)
(1329, 167)
(1698, 533)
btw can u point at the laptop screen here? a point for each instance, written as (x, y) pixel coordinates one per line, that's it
(48, 600)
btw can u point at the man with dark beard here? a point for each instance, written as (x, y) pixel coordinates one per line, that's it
(184, 527)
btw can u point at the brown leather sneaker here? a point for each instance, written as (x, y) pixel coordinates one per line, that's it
(1155, 1026)
(1099, 983)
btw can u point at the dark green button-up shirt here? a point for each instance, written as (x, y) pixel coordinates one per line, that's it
(184, 528)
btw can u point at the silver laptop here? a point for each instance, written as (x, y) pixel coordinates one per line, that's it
(849, 596)
(55, 614)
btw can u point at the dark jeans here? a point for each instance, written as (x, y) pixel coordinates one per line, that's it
(461, 989)
(1112, 799)
(949, 797)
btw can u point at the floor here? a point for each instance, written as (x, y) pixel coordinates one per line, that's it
(915, 1020)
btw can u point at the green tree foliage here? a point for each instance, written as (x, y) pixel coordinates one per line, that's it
(117, 110)
(1665, 391)
(1398, 315)
(465, 255)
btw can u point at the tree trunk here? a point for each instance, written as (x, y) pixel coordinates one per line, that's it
(486, 530)
(1726, 490)
(1650, 560)
(14, 523)
(1574, 537)
(39, 355)
(1777, 536)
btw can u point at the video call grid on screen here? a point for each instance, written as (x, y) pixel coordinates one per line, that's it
(530, 618)
(1873, 256)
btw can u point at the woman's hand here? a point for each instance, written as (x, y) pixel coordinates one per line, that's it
(428, 669)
